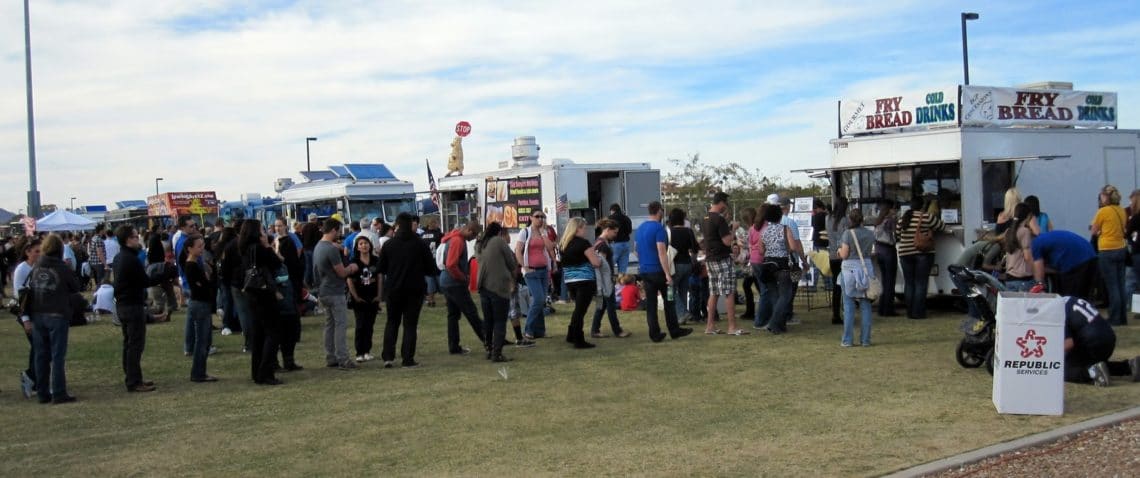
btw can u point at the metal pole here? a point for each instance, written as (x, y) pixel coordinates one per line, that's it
(156, 180)
(966, 16)
(33, 193)
(965, 55)
(309, 139)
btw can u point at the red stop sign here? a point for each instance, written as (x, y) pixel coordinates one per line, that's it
(463, 128)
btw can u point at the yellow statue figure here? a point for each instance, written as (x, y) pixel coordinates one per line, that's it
(455, 161)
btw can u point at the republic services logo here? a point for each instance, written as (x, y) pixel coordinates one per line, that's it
(1032, 345)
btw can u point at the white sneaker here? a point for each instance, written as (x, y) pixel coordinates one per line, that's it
(1099, 374)
(227, 331)
(369, 357)
(213, 350)
(360, 359)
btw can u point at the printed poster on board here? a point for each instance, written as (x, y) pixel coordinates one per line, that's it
(510, 201)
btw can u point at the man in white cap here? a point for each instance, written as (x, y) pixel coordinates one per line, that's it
(786, 220)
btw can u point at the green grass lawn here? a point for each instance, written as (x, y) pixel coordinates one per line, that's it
(790, 405)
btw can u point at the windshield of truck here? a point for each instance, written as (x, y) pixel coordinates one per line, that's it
(393, 208)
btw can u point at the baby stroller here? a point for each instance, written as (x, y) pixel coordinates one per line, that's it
(979, 333)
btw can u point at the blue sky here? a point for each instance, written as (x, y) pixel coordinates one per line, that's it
(219, 95)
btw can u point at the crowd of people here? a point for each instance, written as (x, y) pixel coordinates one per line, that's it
(261, 280)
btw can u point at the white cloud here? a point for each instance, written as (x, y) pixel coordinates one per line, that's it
(131, 90)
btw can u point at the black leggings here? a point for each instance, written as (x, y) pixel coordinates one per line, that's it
(365, 313)
(749, 299)
(582, 292)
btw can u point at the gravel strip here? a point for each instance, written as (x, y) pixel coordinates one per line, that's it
(1112, 451)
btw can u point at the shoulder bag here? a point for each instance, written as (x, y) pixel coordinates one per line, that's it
(874, 286)
(923, 237)
(255, 279)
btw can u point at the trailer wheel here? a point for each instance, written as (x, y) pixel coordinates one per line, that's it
(990, 361)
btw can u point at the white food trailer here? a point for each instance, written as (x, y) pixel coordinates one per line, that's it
(561, 188)
(966, 145)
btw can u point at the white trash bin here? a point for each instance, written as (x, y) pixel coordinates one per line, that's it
(1029, 360)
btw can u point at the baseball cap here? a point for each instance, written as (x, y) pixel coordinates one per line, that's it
(312, 216)
(774, 199)
(786, 201)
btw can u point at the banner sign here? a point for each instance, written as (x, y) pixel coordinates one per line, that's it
(907, 112)
(182, 204)
(992, 106)
(510, 202)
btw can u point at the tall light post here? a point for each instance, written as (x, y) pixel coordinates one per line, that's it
(33, 194)
(72, 203)
(965, 56)
(308, 140)
(156, 180)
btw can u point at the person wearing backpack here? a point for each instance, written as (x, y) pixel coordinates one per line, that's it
(454, 280)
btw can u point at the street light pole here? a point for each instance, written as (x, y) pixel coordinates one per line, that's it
(965, 56)
(72, 203)
(156, 180)
(33, 193)
(308, 140)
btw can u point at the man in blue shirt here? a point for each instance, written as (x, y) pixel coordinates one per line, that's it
(652, 243)
(350, 238)
(1071, 256)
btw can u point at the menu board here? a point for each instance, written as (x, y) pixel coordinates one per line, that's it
(510, 202)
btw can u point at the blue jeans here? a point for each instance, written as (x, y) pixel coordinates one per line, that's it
(1018, 285)
(849, 320)
(308, 255)
(49, 341)
(888, 260)
(432, 284)
(1111, 266)
(608, 306)
(775, 301)
(198, 320)
(621, 256)
(244, 312)
(916, 281)
(229, 312)
(537, 282)
(681, 288)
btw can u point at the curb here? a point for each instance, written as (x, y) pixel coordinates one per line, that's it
(1042, 438)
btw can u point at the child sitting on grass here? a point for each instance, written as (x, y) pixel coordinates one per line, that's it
(632, 296)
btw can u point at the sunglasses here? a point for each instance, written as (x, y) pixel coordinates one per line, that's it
(539, 217)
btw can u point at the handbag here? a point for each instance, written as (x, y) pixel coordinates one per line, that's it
(255, 278)
(874, 286)
(923, 237)
(24, 305)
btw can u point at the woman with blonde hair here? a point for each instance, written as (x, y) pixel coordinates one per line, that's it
(1005, 218)
(1108, 226)
(578, 263)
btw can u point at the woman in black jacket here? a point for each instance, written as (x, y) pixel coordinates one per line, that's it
(254, 251)
(52, 283)
(404, 262)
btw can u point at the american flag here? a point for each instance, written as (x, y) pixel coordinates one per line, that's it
(562, 205)
(432, 186)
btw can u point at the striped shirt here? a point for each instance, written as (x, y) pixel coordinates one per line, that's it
(905, 243)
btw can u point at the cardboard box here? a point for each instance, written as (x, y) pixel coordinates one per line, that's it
(1029, 362)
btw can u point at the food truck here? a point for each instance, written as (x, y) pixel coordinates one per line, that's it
(964, 146)
(561, 188)
(355, 191)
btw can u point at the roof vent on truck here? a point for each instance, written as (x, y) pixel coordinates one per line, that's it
(524, 151)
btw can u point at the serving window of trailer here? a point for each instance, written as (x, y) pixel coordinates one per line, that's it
(866, 188)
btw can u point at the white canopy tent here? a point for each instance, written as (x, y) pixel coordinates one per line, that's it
(64, 221)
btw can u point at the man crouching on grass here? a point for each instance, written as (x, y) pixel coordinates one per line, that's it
(1089, 342)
